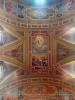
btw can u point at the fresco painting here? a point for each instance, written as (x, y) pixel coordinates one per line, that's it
(39, 61)
(14, 8)
(40, 13)
(39, 44)
(39, 48)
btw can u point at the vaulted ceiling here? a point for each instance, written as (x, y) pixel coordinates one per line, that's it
(23, 24)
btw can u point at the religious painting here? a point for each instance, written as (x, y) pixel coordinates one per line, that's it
(21, 11)
(39, 43)
(39, 48)
(38, 89)
(8, 5)
(15, 8)
(65, 6)
(11, 7)
(70, 5)
(40, 13)
(39, 61)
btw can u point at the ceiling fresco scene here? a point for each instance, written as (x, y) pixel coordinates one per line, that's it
(37, 50)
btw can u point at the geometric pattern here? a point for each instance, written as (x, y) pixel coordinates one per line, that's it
(70, 36)
(69, 68)
(39, 89)
(6, 37)
(16, 53)
(9, 38)
(11, 52)
(63, 52)
(5, 69)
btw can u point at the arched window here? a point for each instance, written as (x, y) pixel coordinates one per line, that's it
(1, 36)
(1, 70)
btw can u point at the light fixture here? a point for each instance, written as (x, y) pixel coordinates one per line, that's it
(40, 2)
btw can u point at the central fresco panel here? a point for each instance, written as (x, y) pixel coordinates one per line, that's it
(39, 13)
(39, 43)
(39, 50)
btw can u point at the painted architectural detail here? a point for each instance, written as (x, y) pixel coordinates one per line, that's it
(14, 8)
(35, 48)
(39, 43)
(69, 37)
(39, 48)
(39, 61)
(5, 69)
(63, 52)
(20, 10)
(39, 89)
(5, 37)
(69, 68)
(38, 13)
(9, 38)
(16, 53)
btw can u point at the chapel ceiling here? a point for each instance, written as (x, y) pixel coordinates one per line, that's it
(22, 22)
